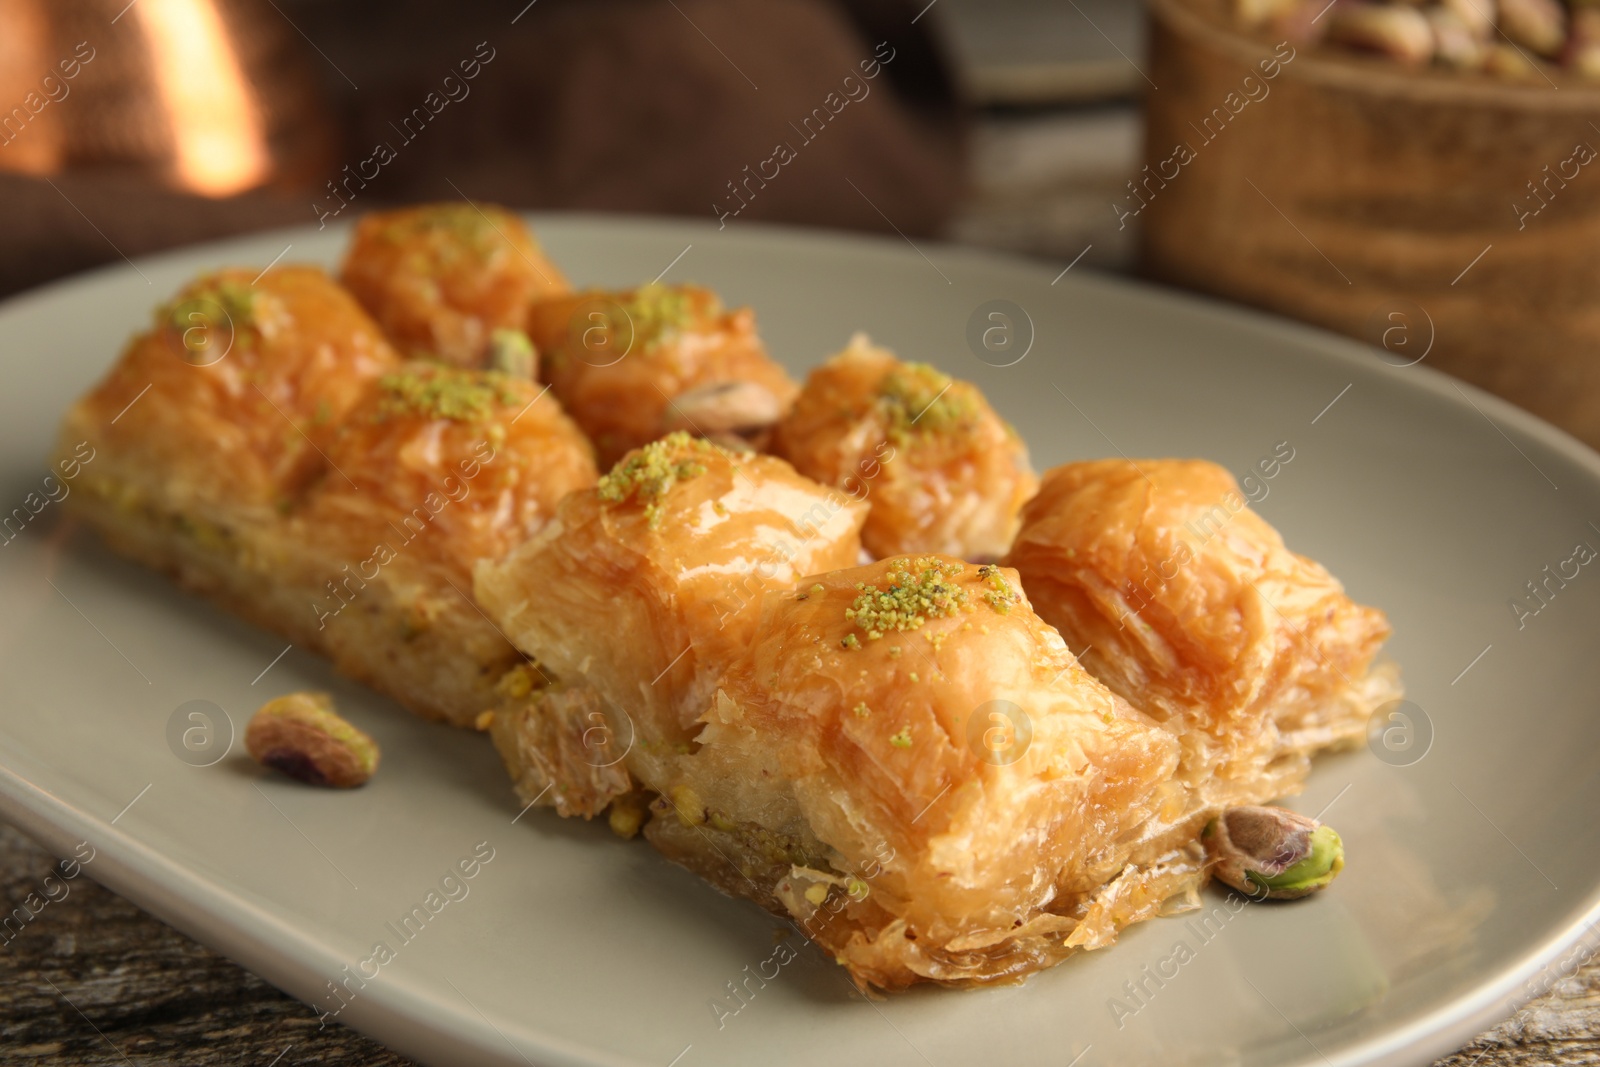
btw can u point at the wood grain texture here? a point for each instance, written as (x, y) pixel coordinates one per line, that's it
(94, 980)
(1400, 208)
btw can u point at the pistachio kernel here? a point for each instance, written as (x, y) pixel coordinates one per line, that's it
(1271, 853)
(301, 735)
(512, 354)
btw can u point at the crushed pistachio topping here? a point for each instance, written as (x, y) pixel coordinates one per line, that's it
(512, 354)
(915, 677)
(918, 399)
(237, 299)
(849, 641)
(467, 223)
(817, 588)
(999, 596)
(191, 319)
(894, 650)
(902, 739)
(441, 392)
(857, 888)
(920, 590)
(862, 710)
(652, 314)
(647, 474)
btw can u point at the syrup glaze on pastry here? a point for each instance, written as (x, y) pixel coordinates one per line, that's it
(1190, 606)
(265, 446)
(441, 279)
(942, 471)
(619, 360)
(644, 587)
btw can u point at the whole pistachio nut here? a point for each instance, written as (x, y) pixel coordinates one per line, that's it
(511, 352)
(1455, 45)
(1257, 12)
(301, 735)
(1401, 33)
(1271, 853)
(1583, 43)
(1537, 25)
(740, 408)
(1477, 15)
(1510, 63)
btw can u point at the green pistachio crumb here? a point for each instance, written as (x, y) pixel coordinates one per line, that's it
(919, 590)
(917, 399)
(512, 354)
(441, 392)
(915, 677)
(849, 641)
(191, 317)
(469, 227)
(647, 474)
(999, 596)
(902, 739)
(817, 588)
(238, 300)
(862, 710)
(656, 313)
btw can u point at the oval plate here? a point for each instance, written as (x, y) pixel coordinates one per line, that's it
(1474, 853)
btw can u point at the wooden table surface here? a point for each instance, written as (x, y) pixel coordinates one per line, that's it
(94, 980)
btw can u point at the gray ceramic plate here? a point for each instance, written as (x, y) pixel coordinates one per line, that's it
(1474, 850)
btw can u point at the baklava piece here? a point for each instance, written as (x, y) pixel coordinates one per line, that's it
(642, 591)
(436, 469)
(450, 281)
(265, 446)
(942, 472)
(631, 366)
(911, 765)
(1189, 605)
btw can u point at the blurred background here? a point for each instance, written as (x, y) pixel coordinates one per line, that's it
(1411, 174)
(1006, 122)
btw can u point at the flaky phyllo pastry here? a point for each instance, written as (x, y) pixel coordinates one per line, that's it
(824, 745)
(267, 447)
(1188, 604)
(941, 471)
(623, 363)
(442, 279)
(668, 558)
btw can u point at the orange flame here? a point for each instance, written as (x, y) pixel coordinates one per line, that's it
(215, 128)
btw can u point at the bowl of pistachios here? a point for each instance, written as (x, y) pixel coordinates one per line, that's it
(1416, 174)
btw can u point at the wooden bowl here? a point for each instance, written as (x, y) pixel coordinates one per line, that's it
(1450, 217)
